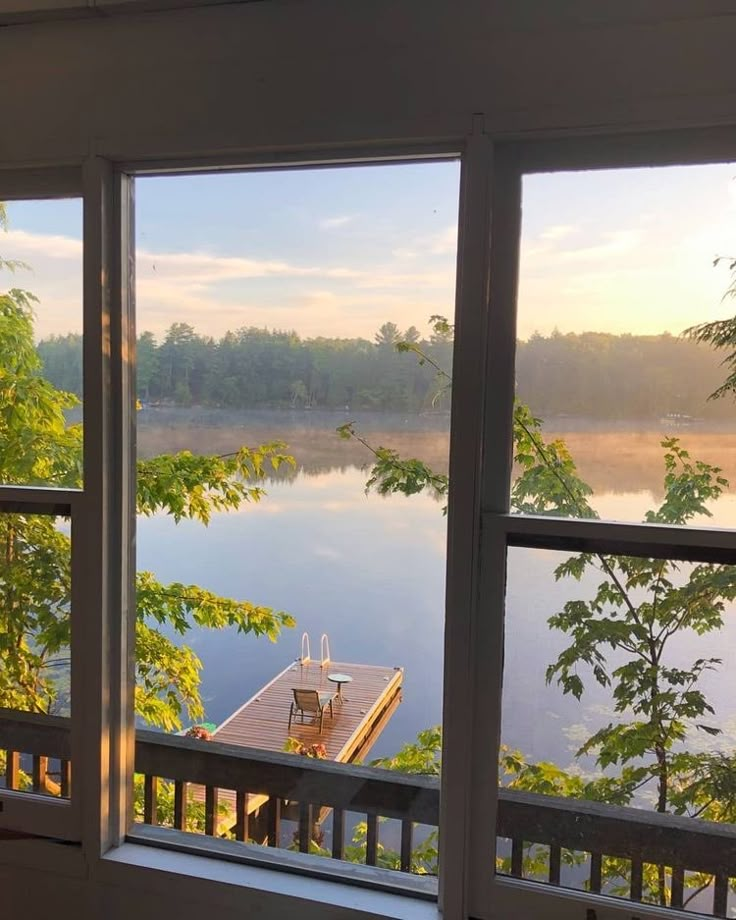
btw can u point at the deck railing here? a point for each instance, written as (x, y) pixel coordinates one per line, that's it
(308, 788)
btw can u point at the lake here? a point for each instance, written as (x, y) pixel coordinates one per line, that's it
(370, 571)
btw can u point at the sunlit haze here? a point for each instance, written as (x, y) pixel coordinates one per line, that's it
(338, 252)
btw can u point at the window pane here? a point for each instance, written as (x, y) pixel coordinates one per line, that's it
(41, 343)
(616, 266)
(35, 687)
(296, 307)
(618, 717)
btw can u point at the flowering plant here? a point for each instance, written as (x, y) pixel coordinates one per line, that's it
(317, 751)
(199, 732)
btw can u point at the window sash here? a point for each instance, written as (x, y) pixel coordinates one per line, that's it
(22, 811)
(493, 897)
(119, 229)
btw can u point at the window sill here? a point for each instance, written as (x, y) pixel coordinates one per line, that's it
(274, 890)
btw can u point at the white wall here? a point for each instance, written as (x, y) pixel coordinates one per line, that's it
(330, 73)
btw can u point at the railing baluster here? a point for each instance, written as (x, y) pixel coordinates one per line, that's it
(720, 895)
(678, 887)
(66, 778)
(210, 810)
(12, 769)
(407, 832)
(241, 815)
(595, 872)
(637, 879)
(273, 821)
(555, 861)
(517, 857)
(305, 826)
(338, 834)
(40, 765)
(180, 796)
(371, 841)
(150, 797)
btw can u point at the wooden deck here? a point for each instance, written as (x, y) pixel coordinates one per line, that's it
(367, 704)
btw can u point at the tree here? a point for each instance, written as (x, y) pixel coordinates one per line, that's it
(38, 446)
(721, 334)
(621, 636)
(387, 336)
(147, 364)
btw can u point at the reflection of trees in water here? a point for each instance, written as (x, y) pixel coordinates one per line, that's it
(313, 441)
(612, 461)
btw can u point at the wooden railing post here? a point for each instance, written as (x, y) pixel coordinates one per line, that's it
(210, 811)
(180, 804)
(273, 821)
(12, 769)
(338, 834)
(150, 800)
(241, 815)
(371, 841)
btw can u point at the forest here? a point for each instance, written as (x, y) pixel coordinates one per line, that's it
(592, 375)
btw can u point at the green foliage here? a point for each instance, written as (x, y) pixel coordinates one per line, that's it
(721, 335)
(38, 446)
(391, 474)
(194, 808)
(421, 756)
(188, 485)
(548, 482)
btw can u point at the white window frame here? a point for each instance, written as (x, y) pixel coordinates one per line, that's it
(471, 154)
(490, 896)
(479, 525)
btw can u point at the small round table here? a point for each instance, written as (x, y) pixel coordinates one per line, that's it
(339, 679)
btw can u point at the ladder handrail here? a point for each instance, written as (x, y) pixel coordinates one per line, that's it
(305, 642)
(324, 650)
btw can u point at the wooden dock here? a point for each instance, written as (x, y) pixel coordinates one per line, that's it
(367, 703)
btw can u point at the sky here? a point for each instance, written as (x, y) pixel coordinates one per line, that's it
(339, 251)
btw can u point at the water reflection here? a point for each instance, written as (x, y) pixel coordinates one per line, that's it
(370, 570)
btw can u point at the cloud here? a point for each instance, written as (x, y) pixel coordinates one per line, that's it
(558, 231)
(51, 246)
(615, 243)
(330, 223)
(444, 242)
(219, 292)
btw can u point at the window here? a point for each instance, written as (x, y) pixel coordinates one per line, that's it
(616, 710)
(41, 501)
(294, 356)
(500, 589)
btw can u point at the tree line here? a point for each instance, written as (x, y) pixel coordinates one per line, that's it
(591, 374)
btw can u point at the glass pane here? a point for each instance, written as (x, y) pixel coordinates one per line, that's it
(35, 689)
(291, 362)
(616, 267)
(618, 716)
(41, 343)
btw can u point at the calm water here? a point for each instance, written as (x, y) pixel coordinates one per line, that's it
(369, 571)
